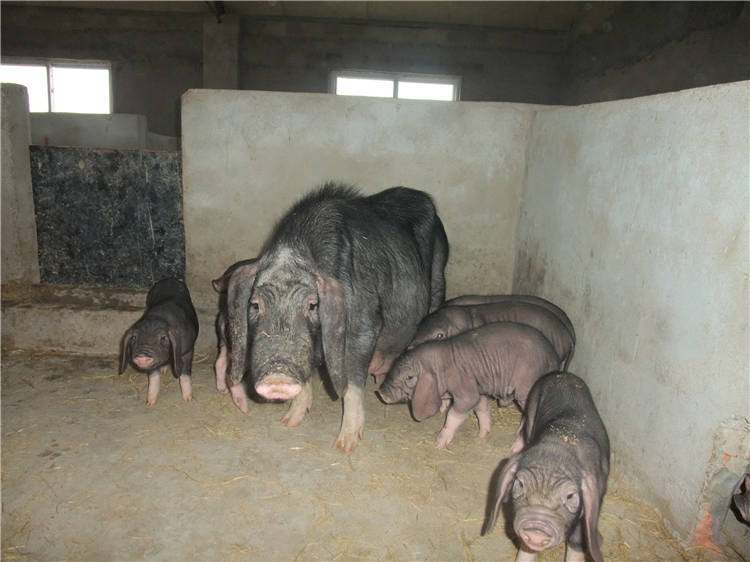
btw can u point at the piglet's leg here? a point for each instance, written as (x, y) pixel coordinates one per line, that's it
(452, 422)
(524, 556)
(445, 403)
(300, 405)
(154, 382)
(220, 368)
(482, 411)
(572, 555)
(186, 386)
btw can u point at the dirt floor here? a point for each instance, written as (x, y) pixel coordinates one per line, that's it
(89, 472)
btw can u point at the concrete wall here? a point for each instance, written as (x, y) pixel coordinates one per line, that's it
(647, 48)
(634, 219)
(248, 155)
(642, 48)
(119, 132)
(20, 260)
(155, 56)
(494, 64)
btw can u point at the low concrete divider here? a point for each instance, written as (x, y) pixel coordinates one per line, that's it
(87, 320)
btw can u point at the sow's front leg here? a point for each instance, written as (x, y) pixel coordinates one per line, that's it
(300, 405)
(353, 423)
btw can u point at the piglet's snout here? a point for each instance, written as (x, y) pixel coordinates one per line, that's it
(143, 361)
(539, 531)
(391, 394)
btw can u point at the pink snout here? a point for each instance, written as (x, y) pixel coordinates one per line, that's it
(538, 535)
(278, 387)
(536, 539)
(143, 361)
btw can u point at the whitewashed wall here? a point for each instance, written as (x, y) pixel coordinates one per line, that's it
(247, 156)
(634, 218)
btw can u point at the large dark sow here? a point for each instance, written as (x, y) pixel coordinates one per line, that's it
(346, 279)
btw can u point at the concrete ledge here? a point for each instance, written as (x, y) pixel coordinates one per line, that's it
(87, 320)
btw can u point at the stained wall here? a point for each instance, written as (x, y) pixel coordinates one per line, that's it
(247, 156)
(634, 219)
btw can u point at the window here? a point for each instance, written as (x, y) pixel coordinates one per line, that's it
(388, 85)
(62, 86)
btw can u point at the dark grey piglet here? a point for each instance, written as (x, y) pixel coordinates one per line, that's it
(474, 300)
(449, 321)
(742, 501)
(501, 360)
(557, 475)
(221, 286)
(164, 335)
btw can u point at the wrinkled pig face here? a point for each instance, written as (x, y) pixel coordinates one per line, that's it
(150, 347)
(285, 331)
(430, 329)
(546, 508)
(401, 380)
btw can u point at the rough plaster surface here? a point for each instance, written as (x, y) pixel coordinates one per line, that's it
(247, 156)
(19, 244)
(80, 319)
(119, 132)
(634, 220)
(221, 51)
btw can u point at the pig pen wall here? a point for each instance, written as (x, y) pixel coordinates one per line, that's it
(634, 219)
(247, 156)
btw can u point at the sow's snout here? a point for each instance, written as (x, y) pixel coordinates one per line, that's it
(276, 383)
(538, 528)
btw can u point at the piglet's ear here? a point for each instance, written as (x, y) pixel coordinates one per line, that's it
(507, 474)
(426, 401)
(127, 346)
(332, 314)
(174, 339)
(591, 506)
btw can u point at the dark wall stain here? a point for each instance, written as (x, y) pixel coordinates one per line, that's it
(108, 217)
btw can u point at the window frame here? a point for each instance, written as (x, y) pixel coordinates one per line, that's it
(397, 77)
(50, 63)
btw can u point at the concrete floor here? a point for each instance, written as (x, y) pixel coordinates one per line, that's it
(89, 472)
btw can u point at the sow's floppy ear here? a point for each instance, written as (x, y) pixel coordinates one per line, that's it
(239, 289)
(426, 400)
(174, 339)
(590, 492)
(127, 346)
(332, 314)
(507, 474)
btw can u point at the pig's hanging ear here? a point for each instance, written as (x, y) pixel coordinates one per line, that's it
(174, 339)
(591, 505)
(127, 346)
(520, 442)
(332, 314)
(426, 400)
(507, 474)
(239, 290)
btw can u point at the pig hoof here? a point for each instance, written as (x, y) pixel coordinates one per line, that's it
(188, 398)
(346, 443)
(442, 442)
(293, 419)
(239, 398)
(151, 401)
